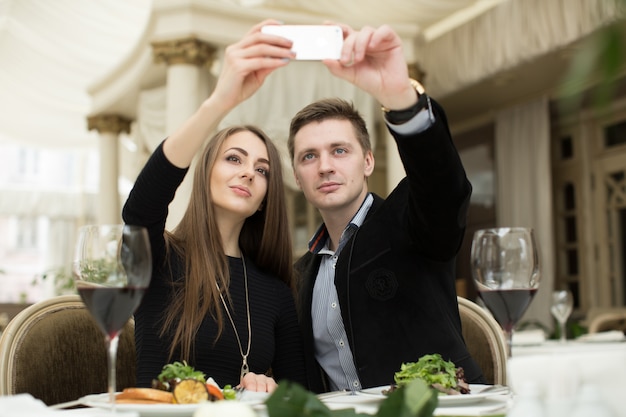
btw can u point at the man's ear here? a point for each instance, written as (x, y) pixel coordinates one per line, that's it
(369, 163)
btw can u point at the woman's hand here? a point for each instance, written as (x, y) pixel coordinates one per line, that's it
(245, 66)
(248, 62)
(258, 382)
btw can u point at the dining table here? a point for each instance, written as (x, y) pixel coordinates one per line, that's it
(493, 403)
(571, 374)
(570, 377)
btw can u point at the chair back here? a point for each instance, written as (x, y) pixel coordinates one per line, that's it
(485, 340)
(55, 351)
(608, 321)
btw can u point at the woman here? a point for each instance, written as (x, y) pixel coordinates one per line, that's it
(220, 296)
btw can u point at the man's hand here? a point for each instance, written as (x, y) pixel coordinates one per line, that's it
(373, 60)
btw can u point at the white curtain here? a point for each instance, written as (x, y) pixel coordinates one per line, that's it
(513, 32)
(524, 188)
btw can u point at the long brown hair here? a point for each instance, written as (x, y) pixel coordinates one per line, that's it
(265, 239)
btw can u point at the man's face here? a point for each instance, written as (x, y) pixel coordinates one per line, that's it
(330, 166)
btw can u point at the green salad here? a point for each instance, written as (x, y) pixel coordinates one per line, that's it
(435, 371)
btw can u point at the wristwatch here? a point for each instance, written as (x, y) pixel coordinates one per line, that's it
(397, 117)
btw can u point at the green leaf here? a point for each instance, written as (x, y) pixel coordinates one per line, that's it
(415, 399)
(178, 370)
(430, 368)
(292, 400)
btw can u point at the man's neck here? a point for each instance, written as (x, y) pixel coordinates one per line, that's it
(337, 220)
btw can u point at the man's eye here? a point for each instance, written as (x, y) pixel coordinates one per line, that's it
(308, 156)
(340, 151)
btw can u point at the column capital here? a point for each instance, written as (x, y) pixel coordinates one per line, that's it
(183, 51)
(109, 123)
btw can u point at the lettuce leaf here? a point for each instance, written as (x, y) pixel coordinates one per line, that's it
(432, 369)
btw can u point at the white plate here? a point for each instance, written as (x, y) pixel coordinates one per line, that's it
(474, 396)
(164, 410)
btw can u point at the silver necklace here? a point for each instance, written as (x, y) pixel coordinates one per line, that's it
(244, 356)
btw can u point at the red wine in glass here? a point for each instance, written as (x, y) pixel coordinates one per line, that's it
(508, 306)
(505, 267)
(112, 269)
(111, 307)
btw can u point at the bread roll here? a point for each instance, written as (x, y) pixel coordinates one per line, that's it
(144, 395)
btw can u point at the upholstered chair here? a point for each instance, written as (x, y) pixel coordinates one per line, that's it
(55, 351)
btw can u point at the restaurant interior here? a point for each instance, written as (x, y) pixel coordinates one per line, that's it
(534, 92)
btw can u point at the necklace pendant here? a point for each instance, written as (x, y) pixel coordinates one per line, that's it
(244, 368)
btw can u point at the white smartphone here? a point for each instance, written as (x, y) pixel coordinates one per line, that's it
(310, 42)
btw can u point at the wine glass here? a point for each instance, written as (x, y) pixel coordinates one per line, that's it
(561, 308)
(112, 268)
(505, 267)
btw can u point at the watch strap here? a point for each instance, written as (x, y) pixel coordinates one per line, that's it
(397, 117)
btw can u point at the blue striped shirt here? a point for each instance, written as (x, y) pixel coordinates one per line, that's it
(332, 349)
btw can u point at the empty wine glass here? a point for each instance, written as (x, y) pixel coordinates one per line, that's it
(561, 308)
(112, 268)
(505, 267)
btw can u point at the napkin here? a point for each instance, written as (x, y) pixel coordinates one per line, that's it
(25, 405)
(608, 336)
(528, 337)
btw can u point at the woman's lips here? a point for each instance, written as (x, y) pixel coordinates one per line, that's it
(243, 191)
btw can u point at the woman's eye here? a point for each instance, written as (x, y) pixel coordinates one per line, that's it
(233, 158)
(263, 171)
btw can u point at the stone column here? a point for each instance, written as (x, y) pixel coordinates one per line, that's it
(187, 81)
(109, 127)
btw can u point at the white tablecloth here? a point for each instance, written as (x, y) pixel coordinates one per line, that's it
(561, 370)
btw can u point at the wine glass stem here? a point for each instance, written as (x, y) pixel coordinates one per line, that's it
(508, 335)
(112, 343)
(563, 336)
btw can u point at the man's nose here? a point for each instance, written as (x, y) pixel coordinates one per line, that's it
(326, 164)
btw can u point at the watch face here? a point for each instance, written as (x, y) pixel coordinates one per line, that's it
(418, 86)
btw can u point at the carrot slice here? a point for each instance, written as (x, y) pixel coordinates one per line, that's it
(215, 393)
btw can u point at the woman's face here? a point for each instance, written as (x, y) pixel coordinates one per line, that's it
(239, 178)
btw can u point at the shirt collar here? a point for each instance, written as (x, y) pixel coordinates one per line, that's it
(319, 240)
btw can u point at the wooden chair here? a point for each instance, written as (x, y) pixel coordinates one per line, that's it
(608, 321)
(55, 351)
(485, 340)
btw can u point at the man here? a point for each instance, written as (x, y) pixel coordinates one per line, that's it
(377, 288)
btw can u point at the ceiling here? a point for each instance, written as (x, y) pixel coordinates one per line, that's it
(51, 51)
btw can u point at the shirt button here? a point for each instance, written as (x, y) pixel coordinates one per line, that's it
(355, 384)
(341, 343)
(333, 305)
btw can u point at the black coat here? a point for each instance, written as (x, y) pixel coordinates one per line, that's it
(395, 278)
